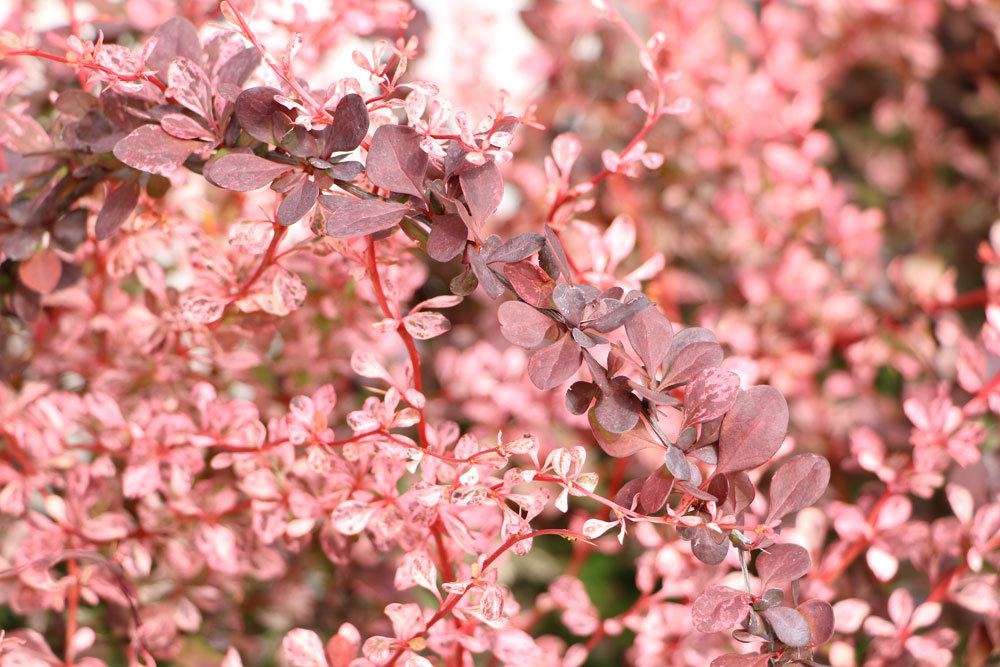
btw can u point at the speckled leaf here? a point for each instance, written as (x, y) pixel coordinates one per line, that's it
(148, 148)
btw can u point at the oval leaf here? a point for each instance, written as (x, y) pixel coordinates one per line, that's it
(243, 172)
(752, 431)
(798, 483)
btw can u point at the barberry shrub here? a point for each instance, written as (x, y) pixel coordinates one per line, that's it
(238, 428)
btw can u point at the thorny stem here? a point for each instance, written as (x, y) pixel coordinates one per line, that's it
(411, 347)
(89, 65)
(453, 599)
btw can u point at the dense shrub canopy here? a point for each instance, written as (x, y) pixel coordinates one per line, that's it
(319, 348)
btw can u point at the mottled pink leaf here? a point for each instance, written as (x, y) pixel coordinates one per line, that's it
(116, 210)
(550, 366)
(183, 127)
(189, 86)
(752, 431)
(243, 172)
(349, 218)
(395, 160)
(798, 483)
(687, 357)
(148, 148)
(530, 283)
(620, 445)
(710, 394)
(521, 324)
(303, 648)
(719, 608)
(781, 563)
(749, 660)
(425, 324)
(789, 625)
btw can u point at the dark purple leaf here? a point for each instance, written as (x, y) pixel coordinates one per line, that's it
(522, 325)
(396, 161)
(819, 617)
(617, 409)
(239, 67)
(719, 608)
(629, 493)
(491, 284)
(348, 127)
(709, 395)
(677, 464)
(752, 431)
(116, 210)
(520, 247)
(570, 301)
(741, 492)
(349, 218)
(781, 563)
(789, 625)
(447, 238)
(243, 172)
(655, 490)
(649, 333)
(553, 255)
(177, 37)
(620, 445)
(22, 243)
(70, 230)
(620, 315)
(798, 483)
(691, 487)
(346, 171)
(709, 547)
(530, 283)
(261, 117)
(483, 190)
(580, 396)
(148, 148)
(297, 203)
(550, 366)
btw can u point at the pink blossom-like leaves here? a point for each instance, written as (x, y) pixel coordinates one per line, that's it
(116, 210)
(720, 608)
(798, 483)
(243, 172)
(349, 218)
(148, 148)
(752, 431)
(553, 364)
(781, 563)
(710, 394)
(395, 160)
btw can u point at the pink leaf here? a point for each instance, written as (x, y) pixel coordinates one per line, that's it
(649, 333)
(620, 445)
(190, 87)
(243, 172)
(41, 273)
(752, 431)
(710, 394)
(789, 625)
(148, 148)
(781, 563)
(819, 617)
(798, 483)
(303, 648)
(719, 608)
(523, 325)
